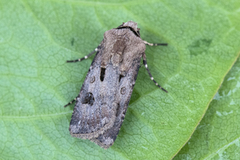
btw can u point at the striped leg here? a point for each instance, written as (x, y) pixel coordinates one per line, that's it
(78, 60)
(71, 102)
(145, 64)
(155, 44)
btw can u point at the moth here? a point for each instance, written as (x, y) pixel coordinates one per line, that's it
(103, 99)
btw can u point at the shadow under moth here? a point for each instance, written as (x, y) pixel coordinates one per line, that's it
(103, 99)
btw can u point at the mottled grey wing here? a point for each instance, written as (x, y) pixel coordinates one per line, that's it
(96, 107)
(125, 89)
(103, 100)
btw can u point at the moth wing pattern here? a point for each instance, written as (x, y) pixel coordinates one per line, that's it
(92, 114)
(103, 100)
(106, 139)
(105, 94)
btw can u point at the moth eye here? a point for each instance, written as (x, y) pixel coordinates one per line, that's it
(88, 98)
(123, 90)
(102, 75)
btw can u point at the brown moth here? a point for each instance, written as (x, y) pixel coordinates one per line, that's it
(103, 99)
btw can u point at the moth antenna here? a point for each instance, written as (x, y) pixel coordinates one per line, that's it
(146, 66)
(85, 57)
(71, 102)
(155, 44)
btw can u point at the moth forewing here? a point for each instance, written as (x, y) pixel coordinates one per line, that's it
(105, 94)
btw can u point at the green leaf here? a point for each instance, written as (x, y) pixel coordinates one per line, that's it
(218, 134)
(37, 37)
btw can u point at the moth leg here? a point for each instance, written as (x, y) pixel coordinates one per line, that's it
(155, 44)
(85, 57)
(71, 102)
(146, 66)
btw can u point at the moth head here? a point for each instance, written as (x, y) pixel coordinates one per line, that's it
(132, 25)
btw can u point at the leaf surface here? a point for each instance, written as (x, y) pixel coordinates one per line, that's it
(37, 37)
(218, 134)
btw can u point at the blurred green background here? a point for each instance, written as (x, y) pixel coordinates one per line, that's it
(197, 119)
